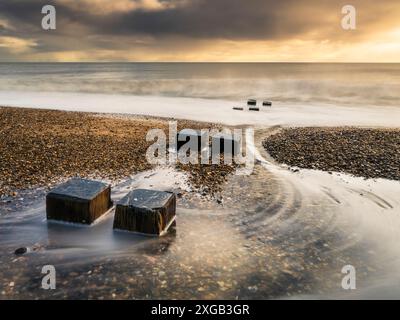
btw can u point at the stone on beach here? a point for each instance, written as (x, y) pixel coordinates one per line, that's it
(251, 102)
(21, 251)
(146, 212)
(254, 109)
(78, 201)
(238, 108)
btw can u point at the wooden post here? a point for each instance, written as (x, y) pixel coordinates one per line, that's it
(147, 212)
(78, 201)
(267, 104)
(186, 134)
(228, 144)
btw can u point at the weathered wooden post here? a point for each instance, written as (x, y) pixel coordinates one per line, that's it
(226, 144)
(78, 201)
(267, 103)
(147, 212)
(186, 134)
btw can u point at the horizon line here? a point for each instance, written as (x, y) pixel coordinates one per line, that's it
(226, 62)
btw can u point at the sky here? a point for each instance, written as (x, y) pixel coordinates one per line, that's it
(200, 31)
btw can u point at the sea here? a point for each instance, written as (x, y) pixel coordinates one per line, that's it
(287, 83)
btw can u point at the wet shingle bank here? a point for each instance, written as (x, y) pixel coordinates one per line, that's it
(369, 153)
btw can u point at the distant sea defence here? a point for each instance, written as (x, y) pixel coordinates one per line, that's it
(344, 84)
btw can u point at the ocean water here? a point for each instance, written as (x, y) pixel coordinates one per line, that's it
(286, 83)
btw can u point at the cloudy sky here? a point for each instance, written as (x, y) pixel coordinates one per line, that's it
(200, 30)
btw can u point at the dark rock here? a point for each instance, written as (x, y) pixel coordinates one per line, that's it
(254, 109)
(238, 108)
(21, 251)
(267, 103)
(146, 211)
(78, 201)
(251, 102)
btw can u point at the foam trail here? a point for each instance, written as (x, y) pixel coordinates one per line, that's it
(366, 208)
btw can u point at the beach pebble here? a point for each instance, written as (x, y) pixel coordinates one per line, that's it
(21, 251)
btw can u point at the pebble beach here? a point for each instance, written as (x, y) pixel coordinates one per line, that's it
(40, 148)
(362, 152)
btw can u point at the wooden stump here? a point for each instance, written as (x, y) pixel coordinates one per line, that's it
(267, 103)
(186, 135)
(78, 201)
(146, 212)
(228, 144)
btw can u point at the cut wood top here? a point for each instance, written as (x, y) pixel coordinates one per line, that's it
(79, 188)
(149, 199)
(191, 133)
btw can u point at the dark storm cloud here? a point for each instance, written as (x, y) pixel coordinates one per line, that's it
(22, 12)
(84, 25)
(244, 19)
(230, 19)
(207, 19)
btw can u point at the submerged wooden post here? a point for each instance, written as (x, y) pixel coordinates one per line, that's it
(146, 212)
(78, 201)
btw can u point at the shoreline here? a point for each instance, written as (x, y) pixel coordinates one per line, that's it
(202, 110)
(44, 147)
